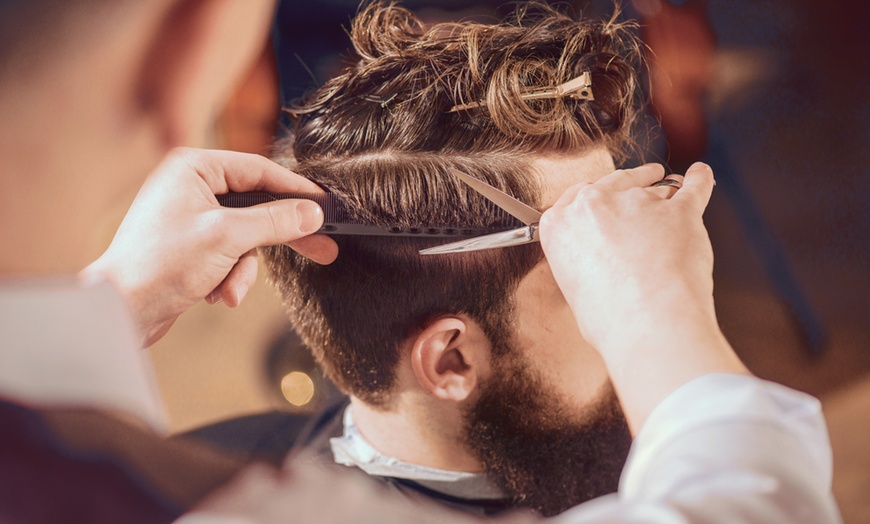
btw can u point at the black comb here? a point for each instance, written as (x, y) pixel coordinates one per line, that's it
(336, 220)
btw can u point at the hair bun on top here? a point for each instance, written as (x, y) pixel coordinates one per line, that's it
(399, 94)
(382, 28)
(542, 47)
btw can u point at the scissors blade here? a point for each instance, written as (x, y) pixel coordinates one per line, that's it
(513, 237)
(526, 214)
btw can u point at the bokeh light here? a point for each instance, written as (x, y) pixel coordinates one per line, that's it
(298, 388)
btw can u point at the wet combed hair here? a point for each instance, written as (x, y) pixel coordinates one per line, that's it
(381, 136)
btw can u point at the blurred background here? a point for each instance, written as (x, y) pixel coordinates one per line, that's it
(772, 93)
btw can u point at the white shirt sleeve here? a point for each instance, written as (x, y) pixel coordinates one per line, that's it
(724, 448)
(67, 343)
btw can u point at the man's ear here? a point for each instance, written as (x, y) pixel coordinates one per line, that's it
(194, 58)
(448, 358)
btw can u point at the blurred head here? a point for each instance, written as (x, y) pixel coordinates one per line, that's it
(463, 329)
(94, 93)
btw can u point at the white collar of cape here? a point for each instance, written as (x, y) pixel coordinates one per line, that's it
(351, 449)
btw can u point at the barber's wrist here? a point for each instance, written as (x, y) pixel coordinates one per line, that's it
(102, 270)
(646, 368)
(631, 314)
(678, 325)
(674, 347)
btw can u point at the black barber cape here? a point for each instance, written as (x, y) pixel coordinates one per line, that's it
(271, 436)
(83, 466)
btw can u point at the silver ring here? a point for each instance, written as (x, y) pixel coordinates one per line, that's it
(668, 182)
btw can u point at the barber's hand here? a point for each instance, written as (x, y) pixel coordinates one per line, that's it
(636, 266)
(619, 248)
(177, 245)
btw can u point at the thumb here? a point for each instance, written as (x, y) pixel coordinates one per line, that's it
(697, 187)
(272, 223)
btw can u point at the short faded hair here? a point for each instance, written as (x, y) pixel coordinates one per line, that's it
(381, 136)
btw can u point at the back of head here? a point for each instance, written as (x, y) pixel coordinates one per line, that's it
(382, 136)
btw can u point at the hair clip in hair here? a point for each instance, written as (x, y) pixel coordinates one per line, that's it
(379, 99)
(579, 88)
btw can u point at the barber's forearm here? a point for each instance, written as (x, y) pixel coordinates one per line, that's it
(652, 357)
(635, 264)
(141, 306)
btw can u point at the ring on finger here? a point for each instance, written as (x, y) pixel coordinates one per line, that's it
(669, 182)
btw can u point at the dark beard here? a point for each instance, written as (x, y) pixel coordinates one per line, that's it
(538, 452)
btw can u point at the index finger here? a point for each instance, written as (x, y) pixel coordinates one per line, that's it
(697, 187)
(641, 176)
(225, 171)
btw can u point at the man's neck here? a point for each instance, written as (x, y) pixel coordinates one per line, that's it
(417, 434)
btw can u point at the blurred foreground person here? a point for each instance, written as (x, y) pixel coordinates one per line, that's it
(96, 93)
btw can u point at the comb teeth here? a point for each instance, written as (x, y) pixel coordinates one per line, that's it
(333, 207)
(396, 231)
(337, 222)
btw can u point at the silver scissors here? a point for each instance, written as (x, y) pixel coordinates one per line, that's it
(528, 215)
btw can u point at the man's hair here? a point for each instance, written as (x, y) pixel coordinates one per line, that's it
(382, 137)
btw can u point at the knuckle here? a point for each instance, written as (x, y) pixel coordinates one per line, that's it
(594, 196)
(186, 158)
(212, 226)
(636, 195)
(183, 154)
(282, 226)
(550, 218)
(220, 221)
(274, 222)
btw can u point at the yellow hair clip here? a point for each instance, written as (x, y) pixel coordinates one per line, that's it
(579, 88)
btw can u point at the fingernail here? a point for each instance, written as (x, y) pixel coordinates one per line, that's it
(214, 298)
(697, 166)
(241, 291)
(309, 215)
(701, 166)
